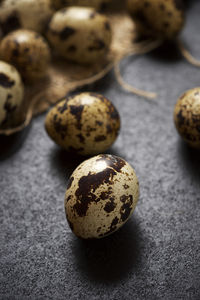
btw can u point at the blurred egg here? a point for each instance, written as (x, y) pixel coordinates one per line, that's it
(187, 117)
(98, 4)
(29, 14)
(162, 19)
(86, 123)
(11, 95)
(80, 34)
(28, 51)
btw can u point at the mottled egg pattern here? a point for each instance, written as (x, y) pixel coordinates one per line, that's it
(11, 95)
(98, 4)
(29, 14)
(86, 123)
(164, 18)
(28, 51)
(101, 196)
(187, 117)
(80, 34)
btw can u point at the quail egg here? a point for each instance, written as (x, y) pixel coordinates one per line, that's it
(28, 51)
(164, 19)
(101, 196)
(98, 4)
(80, 34)
(11, 95)
(29, 14)
(187, 117)
(86, 123)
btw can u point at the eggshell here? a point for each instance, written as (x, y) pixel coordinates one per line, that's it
(187, 117)
(80, 34)
(28, 51)
(29, 14)
(86, 123)
(164, 19)
(101, 196)
(98, 4)
(11, 95)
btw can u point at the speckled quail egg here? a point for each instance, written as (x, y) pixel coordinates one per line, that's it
(187, 117)
(98, 4)
(11, 95)
(164, 19)
(80, 34)
(29, 14)
(101, 196)
(86, 123)
(28, 51)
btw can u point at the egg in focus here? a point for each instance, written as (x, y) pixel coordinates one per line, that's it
(101, 196)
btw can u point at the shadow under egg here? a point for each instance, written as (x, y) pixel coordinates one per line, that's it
(189, 160)
(9, 145)
(111, 258)
(64, 162)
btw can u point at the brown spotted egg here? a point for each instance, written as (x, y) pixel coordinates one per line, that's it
(187, 117)
(164, 19)
(28, 51)
(11, 95)
(29, 14)
(101, 196)
(80, 34)
(86, 123)
(98, 4)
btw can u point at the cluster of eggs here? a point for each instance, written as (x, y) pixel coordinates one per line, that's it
(103, 191)
(30, 29)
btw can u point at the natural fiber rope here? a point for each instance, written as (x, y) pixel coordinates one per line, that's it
(187, 55)
(140, 48)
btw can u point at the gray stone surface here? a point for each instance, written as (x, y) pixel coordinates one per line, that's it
(156, 254)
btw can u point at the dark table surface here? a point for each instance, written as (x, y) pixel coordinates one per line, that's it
(156, 254)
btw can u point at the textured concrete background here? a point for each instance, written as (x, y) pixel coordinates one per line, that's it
(156, 254)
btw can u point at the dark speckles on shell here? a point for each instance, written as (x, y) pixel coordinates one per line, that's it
(112, 228)
(100, 138)
(179, 4)
(5, 81)
(181, 118)
(10, 24)
(66, 33)
(126, 207)
(70, 182)
(59, 127)
(81, 138)
(87, 185)
(97, 45)
(77, 112)
(110, 205)
(126, 186)
(9, 108)
(63, 108)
